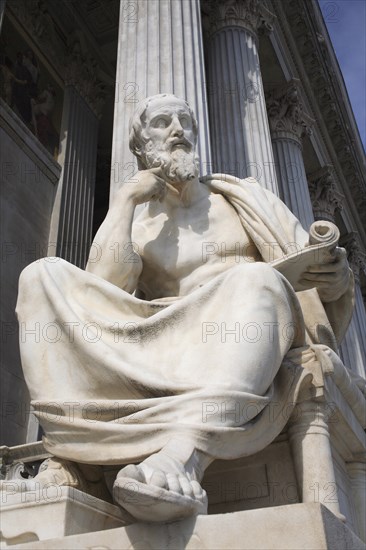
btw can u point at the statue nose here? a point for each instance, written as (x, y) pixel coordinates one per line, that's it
(177, 128)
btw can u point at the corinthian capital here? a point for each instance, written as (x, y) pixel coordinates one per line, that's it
(355, 256)
(249, 14)
(286, 112)
(324, 195)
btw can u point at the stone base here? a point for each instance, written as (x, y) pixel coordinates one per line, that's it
(54, 512)
(292, 527)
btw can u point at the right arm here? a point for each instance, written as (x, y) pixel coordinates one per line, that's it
(124, 268)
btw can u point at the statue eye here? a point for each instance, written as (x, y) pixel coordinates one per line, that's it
(185, 122)
(161, 123)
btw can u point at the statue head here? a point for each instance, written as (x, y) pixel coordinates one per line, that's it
(163, 133)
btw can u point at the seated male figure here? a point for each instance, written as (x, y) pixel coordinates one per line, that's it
(185, 347)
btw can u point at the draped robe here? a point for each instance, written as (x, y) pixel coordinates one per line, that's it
(113, 378)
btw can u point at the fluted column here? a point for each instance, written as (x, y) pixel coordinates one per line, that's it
(357, 475)
(325, 198)
(326, 202)
(240, 137)
(75, 198)
(288, 124)
(159, 51)
(311, 450)
(353, 348)
(72, 217)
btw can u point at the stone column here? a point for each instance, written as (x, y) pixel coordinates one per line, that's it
(311, 450)
(71, 224)
(240, 137)
(353, 348)
(326, 202)
(159, 51)
(357, 475)
(325, 198)
(76, 192)
(288, 124)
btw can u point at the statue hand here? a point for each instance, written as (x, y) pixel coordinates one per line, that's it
(146, 185)
(331, 279)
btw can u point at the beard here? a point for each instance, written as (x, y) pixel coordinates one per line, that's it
(178, 166)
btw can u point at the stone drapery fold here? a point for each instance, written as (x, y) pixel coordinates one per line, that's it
(113, 378)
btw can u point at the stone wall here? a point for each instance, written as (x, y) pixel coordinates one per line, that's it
(29, 177)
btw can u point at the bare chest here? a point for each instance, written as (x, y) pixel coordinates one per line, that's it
(180, 242)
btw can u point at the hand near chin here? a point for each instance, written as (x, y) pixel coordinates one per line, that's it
(330, 279)
(145, 185)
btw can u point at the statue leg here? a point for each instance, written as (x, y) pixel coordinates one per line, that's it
(165, 486)
(257, 323)
(219, 364)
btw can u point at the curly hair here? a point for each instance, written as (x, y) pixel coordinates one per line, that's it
(136, 139)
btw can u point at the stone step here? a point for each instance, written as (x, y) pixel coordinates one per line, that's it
(54, 512)
(292, 527)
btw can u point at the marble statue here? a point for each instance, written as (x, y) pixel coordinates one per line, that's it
(168, 351)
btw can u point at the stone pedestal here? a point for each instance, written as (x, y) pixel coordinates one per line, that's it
(53, 512)
(288, 124)
(159, 51)
(293, 527)
(240, 138)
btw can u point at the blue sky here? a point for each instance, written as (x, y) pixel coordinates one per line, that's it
(346, 22)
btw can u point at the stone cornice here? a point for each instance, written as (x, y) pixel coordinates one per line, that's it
(314, 48)
(323, 193)
(356, 258)
(286, 113)
(252, 15)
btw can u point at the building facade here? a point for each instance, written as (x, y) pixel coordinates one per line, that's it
(269, 96)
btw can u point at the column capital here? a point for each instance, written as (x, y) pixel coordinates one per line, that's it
(355, 256)
(251, 15)
(286, 112)
(323, 193)
(84, 73)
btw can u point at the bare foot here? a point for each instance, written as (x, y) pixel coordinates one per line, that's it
(165, 486)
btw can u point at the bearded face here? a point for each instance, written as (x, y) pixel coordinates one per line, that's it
(179, 163)
(169, 141)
